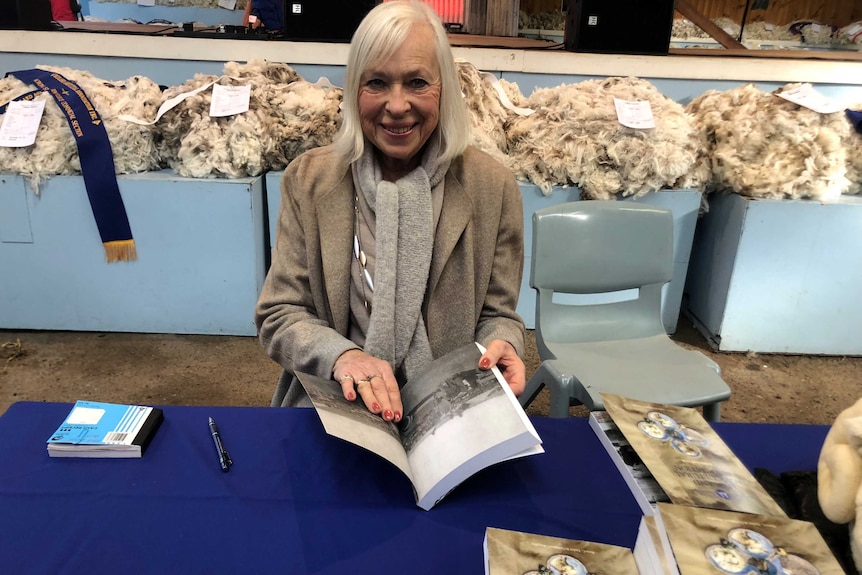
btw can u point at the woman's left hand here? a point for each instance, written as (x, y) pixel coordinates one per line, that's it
(502, 354)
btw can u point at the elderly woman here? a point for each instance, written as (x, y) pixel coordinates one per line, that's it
(398, 243)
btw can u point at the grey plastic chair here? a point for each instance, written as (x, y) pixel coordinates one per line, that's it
(620, 347)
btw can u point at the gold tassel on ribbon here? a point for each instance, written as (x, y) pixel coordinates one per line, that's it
(120, 251)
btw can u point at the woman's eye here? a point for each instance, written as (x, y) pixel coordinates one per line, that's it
(417, 83)
(375, 84)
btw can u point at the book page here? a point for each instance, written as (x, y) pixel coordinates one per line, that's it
(686, 456)
(352, 422)
(514, 552)
(708, 541)
(459, 419)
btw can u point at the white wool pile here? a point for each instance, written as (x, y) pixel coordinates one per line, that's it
(727, 25)
(849, 34)
(763, 146)
(286, 117)
(55, 151)
(853, 145)
(812, 32)
(767, 31)
(684, 28)
(541, 20)
(488, 116)
(576, 138)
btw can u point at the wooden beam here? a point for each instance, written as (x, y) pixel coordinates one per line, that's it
(474, 16)
(707, 25)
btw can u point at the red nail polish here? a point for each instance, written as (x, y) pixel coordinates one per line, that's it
(375, 407)
(351, 396)
(397, 416)
(387, 415)
(485, 363)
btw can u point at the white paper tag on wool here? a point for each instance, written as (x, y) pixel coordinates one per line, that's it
(227, 4)
(20, 123)
(807, 97)
(229, 100)
(166, 105)
(504, 98)
(635, 114)
(852, 31)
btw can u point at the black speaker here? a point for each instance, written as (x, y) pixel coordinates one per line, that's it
(25, 15)
(324, 20)
(619, 26)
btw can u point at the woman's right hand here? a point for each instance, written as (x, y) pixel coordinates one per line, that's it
(372, 379)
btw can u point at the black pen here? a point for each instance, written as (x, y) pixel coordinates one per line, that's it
(223, 456)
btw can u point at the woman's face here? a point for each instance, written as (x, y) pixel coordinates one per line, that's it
(399, 103)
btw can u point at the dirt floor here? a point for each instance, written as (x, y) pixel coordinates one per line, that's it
(161, 369)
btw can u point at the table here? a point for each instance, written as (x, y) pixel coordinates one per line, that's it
(298, 501)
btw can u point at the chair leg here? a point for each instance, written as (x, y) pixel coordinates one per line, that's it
(559, 404)
(558, 386)
(532, 389)
(712, 411)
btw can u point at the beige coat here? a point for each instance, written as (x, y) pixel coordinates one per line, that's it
(303, 312)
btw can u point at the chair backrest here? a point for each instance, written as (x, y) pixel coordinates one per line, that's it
(599, 247)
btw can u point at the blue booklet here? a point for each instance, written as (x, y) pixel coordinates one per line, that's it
(97, 429)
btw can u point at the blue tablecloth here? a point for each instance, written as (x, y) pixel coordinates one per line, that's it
(298, 501)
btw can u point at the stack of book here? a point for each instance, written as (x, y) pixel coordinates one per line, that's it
(507, 552)
(712, 541)
(704, 512)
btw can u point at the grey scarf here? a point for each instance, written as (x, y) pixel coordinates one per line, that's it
(404, 240)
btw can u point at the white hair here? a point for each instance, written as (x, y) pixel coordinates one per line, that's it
(376, 39)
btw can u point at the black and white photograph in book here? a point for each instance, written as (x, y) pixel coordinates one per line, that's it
(327, 395)
(430, 404)
(458, 420)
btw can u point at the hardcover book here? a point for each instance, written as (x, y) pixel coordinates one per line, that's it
(517, 553)
(687, 458)
(712, 542)
(97, 429)
(457, 420)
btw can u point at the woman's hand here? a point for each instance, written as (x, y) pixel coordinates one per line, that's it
(372, 379)
(501, 353)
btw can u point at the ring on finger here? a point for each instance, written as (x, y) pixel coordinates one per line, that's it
(370, 377)
(346, 376)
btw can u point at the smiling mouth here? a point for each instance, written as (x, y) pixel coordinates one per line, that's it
(398, 130)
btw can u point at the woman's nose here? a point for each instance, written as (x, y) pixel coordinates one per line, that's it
(398, 101)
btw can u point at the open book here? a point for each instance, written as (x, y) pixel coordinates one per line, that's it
(457, 420)
(687, 458)
(515, 552)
